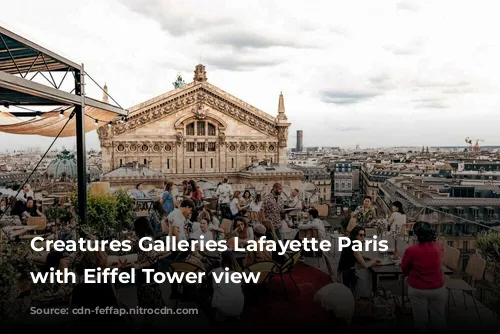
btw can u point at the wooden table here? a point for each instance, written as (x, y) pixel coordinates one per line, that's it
(14, 231)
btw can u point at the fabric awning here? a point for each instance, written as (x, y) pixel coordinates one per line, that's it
(50, 123)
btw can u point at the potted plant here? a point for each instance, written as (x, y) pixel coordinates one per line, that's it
(488, 246)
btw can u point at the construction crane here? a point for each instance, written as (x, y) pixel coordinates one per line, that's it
(469, 141)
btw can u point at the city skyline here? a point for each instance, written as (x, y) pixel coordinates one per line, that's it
(397, 83)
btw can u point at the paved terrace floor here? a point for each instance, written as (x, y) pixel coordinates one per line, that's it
(459, 319)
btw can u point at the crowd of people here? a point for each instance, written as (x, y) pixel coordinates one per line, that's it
(185, 216)
(421, 263)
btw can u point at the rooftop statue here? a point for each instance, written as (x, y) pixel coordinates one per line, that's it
(179, 82)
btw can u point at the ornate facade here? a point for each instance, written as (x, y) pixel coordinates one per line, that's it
(196, 131)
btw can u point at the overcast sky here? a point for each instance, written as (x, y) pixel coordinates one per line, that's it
(373, 73)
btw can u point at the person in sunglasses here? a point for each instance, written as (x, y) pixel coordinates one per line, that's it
(351, 263)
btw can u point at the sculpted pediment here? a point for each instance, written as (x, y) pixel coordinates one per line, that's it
(199, 99)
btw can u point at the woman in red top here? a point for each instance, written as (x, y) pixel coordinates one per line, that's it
(422, 264)
(195, 196)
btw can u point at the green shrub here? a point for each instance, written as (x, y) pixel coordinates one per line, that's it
(488, 246)
(124, 208)
(101, 213)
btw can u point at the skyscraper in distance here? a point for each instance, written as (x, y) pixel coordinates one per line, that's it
(300, 142)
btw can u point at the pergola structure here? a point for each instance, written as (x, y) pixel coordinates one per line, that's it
(20, 62)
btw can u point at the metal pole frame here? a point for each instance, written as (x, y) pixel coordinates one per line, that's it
(81, 155)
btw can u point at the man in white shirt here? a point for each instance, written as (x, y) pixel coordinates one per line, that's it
(314, 223)
(224, 192)
(178, 219)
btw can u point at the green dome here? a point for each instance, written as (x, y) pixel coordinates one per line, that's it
(64, 163)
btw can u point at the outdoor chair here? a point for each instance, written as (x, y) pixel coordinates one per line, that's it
(287, 267)
(226, 225)
(331, 272)
(451, 257)
(267, 270)
(185, 267)
(474, 270)
(322, 210)
(39, 222)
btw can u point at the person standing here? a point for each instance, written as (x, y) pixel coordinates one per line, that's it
(178, 220)
(273, 206)
(422, 263)
(363, 215)
(224, 193)
(167, 199)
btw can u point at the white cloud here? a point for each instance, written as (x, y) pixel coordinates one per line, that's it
(353, 72)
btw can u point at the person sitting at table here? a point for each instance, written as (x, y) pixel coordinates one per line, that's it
(314, 223)
(422, 263)
(246, 200)
(195, 231)
(237, 209)
(138, 193)
(206, 230)
(259, 255)
(287, 230)
(25, 194)
(255, 208)
(242, 231)
(352, 266)
(228, 298)
(31, 210)
(398, 217)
